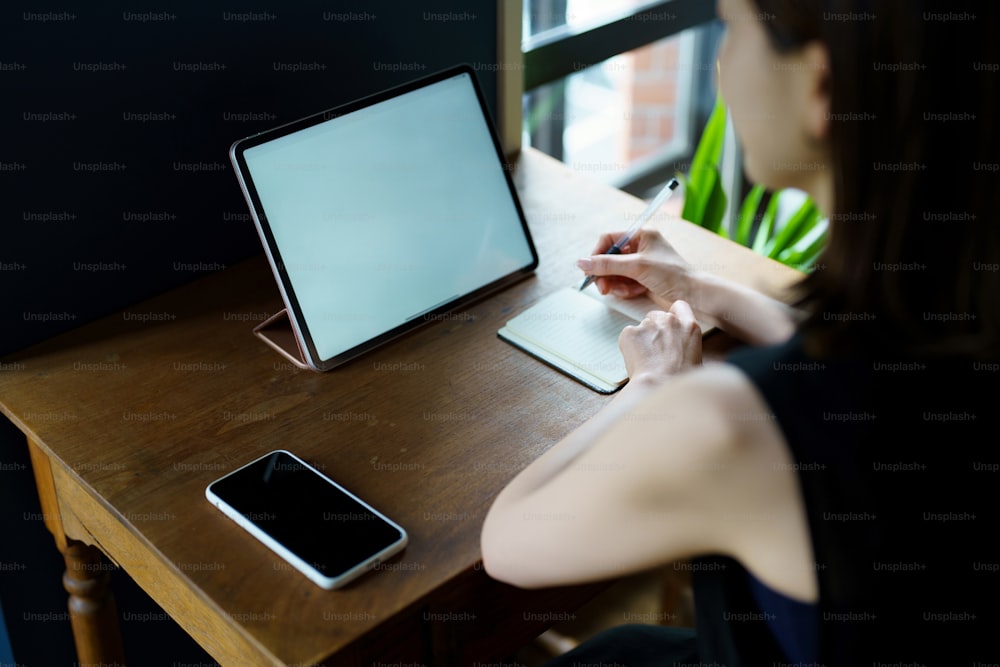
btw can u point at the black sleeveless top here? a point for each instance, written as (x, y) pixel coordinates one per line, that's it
(898, 461)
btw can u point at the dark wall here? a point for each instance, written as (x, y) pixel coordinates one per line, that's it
(115, 185)
(114, 170)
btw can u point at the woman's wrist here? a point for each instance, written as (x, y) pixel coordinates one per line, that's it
(740, 310)
(704, 293)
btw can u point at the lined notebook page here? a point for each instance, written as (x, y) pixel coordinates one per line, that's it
(578, 328)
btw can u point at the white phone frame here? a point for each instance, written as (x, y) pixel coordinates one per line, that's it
(290, 557)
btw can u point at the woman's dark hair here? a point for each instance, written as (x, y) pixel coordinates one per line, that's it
(912, 265)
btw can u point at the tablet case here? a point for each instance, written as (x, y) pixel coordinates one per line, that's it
(277, 332)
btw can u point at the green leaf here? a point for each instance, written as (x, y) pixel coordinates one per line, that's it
(692, 202)
(715, 205)
(709, 149)
(705, 204)
(700, 188)
(808, 247)
(797, 224)
(748, 210)
(809, 261)
(766, 225)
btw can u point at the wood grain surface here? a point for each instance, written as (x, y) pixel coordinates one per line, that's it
(138, 412)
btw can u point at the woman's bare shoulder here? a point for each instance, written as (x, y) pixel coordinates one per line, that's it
(751, 476)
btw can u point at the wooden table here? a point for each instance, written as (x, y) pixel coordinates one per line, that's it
(129, 418)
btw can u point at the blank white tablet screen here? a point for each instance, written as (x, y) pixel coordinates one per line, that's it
(387, 212)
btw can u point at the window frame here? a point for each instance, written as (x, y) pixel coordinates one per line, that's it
(552, 55)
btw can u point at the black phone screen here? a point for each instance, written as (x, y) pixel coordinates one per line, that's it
(305, 512)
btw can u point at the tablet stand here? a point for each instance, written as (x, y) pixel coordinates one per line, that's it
(277, 332)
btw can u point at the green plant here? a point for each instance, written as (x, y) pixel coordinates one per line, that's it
(797, 241)
(704, 197)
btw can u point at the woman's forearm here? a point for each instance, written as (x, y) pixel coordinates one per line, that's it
(741, 311)
(561, 455)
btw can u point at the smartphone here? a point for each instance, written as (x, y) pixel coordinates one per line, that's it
(317, 526)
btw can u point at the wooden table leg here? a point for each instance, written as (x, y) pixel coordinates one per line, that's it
(92, 610)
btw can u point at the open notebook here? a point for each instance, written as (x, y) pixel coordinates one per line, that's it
(577, 333)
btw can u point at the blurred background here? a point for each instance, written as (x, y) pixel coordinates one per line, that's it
(116, 182)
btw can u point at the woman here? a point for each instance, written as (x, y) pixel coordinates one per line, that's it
(829, 481)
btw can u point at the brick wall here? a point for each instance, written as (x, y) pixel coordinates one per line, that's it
(649, 115)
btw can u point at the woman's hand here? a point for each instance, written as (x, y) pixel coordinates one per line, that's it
(663, 344)
(648, 264)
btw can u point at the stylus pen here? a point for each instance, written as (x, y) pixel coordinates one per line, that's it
(654, 205)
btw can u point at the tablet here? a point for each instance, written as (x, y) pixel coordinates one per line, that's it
(385, 213)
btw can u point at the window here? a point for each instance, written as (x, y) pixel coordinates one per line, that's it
(618, 88)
